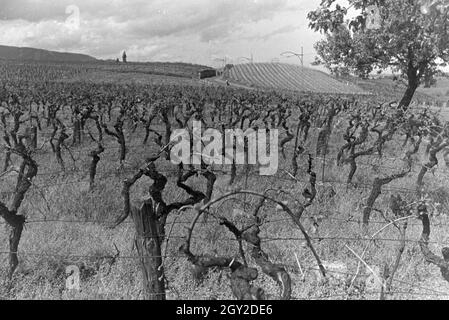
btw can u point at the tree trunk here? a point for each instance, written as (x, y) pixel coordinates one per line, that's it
(148, 244)
(95, 154)
(413, 84)
(122, 143)
(15, 224)
(14, 239)
(76, 132)
(168, 132)
(147, 132)
(408, 96)
(58, 148)
(34, 137)
(7, 160)
(352, 171)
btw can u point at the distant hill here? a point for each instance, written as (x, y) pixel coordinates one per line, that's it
(31, 54)
(288, 77)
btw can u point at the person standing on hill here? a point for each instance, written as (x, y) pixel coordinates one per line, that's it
(124, 56)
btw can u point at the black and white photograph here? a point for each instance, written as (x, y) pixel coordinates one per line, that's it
(217, 151)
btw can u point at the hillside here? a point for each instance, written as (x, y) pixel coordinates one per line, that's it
(32, 54)
(171, 69)
(289, 77)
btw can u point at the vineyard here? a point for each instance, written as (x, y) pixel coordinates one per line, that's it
(357, 209)
(102, 71)
(290, 77)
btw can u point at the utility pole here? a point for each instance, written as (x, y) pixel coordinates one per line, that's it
(300, 56)
(223, 61)
(250, 60)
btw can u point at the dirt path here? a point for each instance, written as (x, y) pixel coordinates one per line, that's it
(232, 84)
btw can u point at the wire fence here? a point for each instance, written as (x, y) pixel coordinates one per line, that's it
(313, 273)
(267, 221)
(103, 174)
(121, 171)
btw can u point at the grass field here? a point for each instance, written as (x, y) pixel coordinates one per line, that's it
(440, 91)
(389, 90)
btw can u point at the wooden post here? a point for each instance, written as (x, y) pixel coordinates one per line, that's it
(148, 244)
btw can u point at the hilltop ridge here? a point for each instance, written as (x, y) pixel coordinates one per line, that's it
(40, 55)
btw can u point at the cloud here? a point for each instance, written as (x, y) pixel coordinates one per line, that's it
(142, 27)
(264, 36)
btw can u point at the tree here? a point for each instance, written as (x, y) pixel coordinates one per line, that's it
(344, 54)
(409, 36)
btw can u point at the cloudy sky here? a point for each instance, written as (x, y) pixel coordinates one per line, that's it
(197, 31)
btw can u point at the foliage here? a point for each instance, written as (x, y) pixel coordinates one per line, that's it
(406, 36)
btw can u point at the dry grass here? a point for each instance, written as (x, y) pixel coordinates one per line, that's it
(338, 217)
